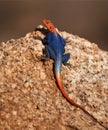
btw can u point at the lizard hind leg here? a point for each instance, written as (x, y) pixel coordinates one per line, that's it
(46, 55)
(65, 59)
(49, 53)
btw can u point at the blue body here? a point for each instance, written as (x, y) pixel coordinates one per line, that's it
(54, 49)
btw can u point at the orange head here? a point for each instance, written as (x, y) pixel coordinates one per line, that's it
(49, 25)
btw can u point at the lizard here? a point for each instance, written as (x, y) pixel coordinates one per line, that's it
(55, 49)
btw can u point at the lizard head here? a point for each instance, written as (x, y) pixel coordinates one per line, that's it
(49, 25)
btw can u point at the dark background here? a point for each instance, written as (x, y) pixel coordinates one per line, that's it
(86, 18)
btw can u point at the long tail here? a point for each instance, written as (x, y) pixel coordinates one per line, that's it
(71, 101)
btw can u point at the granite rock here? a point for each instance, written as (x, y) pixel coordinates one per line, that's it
(29, 97)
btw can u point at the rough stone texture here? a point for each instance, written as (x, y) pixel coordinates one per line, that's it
(29, 97)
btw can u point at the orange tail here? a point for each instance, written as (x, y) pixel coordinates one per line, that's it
(72, 102)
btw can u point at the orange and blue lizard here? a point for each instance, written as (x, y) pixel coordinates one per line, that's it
(54, 49)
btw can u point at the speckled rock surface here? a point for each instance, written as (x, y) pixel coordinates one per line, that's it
(29, 97)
